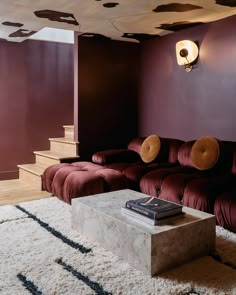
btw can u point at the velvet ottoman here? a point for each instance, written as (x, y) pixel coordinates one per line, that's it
(68, 181)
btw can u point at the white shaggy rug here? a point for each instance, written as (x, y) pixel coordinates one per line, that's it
(41, 254)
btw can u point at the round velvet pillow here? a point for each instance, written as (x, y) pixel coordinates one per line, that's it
(205, 152)
(150, 148)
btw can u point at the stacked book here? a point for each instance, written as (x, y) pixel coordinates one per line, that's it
(151, 210)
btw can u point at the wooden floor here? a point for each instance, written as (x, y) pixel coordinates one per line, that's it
(16, 191)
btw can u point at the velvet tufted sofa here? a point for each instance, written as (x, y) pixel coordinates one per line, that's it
(111, 170)
(139, 162)
(199, 174)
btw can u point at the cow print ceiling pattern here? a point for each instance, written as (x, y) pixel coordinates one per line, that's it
(126, 20)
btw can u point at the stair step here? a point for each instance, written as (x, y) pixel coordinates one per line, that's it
(63, 140)
(68, 127)
(32, 168)
(31, 174)
(63, 146)
(45, 162)
(45, 159)
(69, 131)
(55, 155)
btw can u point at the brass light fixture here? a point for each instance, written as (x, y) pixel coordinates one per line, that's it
(186, 53)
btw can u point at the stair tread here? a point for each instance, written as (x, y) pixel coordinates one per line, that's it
(33, 168)
(63, 139)
(68, 126)
(55, 155)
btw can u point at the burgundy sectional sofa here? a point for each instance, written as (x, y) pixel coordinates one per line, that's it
(135, 168)
(188, 185)
(173, 174)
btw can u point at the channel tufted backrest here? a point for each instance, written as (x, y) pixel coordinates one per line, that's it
(184, 154)
(158, 149)
(208, 153)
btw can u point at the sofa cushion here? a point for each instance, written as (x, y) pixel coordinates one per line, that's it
(78, 179)
(173, 186)
(184, 154)
(135, 144)
(48, 175)
(205, 152)
(115, 156)
(167, 148)
(79, 184)
(151, 182)
(225, 208)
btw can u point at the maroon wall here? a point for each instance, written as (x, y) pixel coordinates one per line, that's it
(107, 94)
(36, 99)
(174, 103)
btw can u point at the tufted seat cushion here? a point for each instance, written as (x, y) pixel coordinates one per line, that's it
(151, 183)
(79, 184)
(48, 175)
(50, 172)
(84, 183)
(67, 181)
(173, 186)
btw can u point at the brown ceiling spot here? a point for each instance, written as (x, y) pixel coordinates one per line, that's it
(139, 37)
(110, 4)
(94, 36)
(177, 7)
(178, 26)
(230, 3)
(57, 16)
(12, 24)
(22, 33)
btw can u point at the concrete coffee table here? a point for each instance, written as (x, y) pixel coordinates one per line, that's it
(151, 249)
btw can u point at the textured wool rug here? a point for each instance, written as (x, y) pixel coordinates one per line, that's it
(41, 254)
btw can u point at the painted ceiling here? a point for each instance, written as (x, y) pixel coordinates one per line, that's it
(126, 20)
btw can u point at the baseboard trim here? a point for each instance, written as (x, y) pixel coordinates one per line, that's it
(6, 175)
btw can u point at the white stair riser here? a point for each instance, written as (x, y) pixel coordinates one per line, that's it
(69, 133)
(63, 148)
(45, 161)
(30, 178)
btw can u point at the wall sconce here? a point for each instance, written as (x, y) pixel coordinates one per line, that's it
(186, 53)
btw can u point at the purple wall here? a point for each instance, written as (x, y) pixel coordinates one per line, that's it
(107, 94)
(174, 103)
(36, 99)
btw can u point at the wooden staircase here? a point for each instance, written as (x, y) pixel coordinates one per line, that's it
(63, 149)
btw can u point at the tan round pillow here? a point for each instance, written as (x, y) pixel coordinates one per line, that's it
(205, 152)
(150, 148)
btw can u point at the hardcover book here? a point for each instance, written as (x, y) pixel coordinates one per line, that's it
(142, 219)
(153, 207)
(138, 217)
